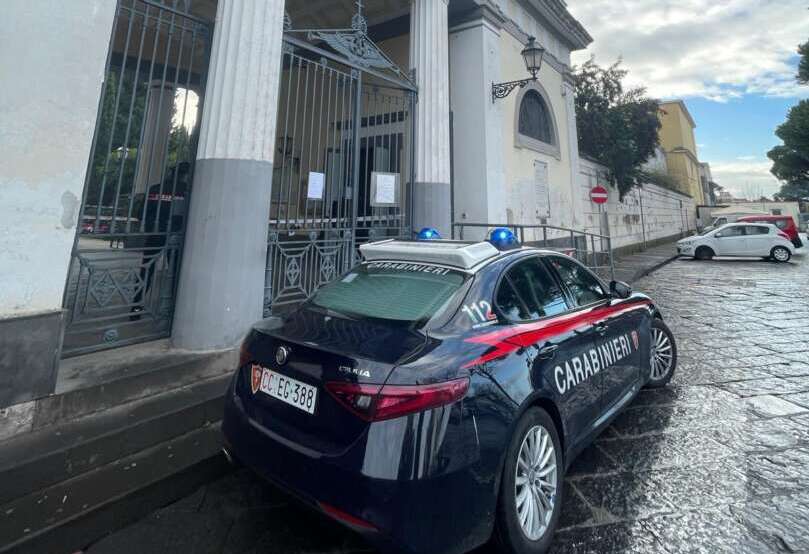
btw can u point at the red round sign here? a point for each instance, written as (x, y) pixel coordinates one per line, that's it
(599, 195)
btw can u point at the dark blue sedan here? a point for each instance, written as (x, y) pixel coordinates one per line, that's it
(433, 397)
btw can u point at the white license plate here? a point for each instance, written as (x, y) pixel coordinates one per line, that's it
(288, 390)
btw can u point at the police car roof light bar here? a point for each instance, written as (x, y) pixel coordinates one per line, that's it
(503, 238)
(462, 255)
(428, 233)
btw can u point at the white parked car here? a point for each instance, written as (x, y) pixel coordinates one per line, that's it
(739, 239)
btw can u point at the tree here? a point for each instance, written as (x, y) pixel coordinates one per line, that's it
(791, 160)
(803, 64)
(113, 146)
(793, 192)
(617, 127)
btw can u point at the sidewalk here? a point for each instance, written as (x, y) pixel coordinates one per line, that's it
(632, 267)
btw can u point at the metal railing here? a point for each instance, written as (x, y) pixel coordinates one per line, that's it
(593, 250)
(126, 255)
(352, 129)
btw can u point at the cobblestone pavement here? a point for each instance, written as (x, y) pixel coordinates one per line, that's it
(716, 463)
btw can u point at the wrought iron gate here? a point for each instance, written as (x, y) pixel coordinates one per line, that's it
(125, 261)
(343, 160)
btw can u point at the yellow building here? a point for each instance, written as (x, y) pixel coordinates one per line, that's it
(677, 141)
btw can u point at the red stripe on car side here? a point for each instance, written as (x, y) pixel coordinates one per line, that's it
(511, 339)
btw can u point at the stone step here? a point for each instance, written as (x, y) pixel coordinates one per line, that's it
(40, 459)
(118, 384)
(67, 516)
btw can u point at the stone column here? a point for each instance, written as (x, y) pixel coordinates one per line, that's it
(477, 145)
(430, 59)
(221, 286)
(156, 131)
(577, 216)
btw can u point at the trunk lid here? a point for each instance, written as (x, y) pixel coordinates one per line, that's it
(321, 349)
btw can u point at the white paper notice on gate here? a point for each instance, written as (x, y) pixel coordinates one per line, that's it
(316, 183)
(384, 189)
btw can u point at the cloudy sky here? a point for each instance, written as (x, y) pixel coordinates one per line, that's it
(733, 61)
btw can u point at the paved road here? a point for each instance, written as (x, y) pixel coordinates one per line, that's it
(717, 463)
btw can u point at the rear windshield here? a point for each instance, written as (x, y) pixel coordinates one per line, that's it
(405, 293)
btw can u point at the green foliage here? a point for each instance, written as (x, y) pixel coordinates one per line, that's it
(791, 160)
(661, 179)
(793, 192)
(115, 149)
(803, 64)
(121, 121)
(617, 127)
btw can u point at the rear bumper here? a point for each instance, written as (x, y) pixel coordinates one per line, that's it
(429, 501)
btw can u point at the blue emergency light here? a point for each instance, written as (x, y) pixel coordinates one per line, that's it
(428, 233)
(503, 238)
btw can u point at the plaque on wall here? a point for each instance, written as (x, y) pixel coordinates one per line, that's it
(542, 190)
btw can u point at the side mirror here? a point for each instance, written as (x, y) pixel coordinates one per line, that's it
(619, 289)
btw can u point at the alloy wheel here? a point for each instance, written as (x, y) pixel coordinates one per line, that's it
(662, 354)
(535, 482)
(781, 254)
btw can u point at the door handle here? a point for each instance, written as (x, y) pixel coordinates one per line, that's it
(548, 352)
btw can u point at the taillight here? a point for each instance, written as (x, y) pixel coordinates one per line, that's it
(378, 403)
(346, 518)
(244, 354)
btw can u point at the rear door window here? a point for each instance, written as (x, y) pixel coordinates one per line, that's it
(757, 230)
(584, 287)
(528, 292)
(405, 293)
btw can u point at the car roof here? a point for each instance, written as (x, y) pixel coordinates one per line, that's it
(749, 218)
(467, 256)
(741, 223)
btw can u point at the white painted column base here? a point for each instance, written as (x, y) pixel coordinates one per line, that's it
(221, 288)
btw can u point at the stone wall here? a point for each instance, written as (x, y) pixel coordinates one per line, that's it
(647, 215)
(56, 53)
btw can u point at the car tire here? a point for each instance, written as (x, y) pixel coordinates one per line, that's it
(704, 253)
(781, 254)
(662, 354)
(511, 536)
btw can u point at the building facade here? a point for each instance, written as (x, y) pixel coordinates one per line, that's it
(678, 142)
(185, 167)
(709, 186)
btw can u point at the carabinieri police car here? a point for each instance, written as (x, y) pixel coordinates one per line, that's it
(433, 396)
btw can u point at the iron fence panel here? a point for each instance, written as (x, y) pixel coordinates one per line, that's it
(593, 250)
(343, 168)
(121, 283)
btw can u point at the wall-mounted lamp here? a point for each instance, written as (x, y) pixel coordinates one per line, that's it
(532, 55)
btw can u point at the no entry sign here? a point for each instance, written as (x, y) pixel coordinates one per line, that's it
(599, 194)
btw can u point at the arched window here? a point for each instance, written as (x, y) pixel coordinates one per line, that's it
(535, 118)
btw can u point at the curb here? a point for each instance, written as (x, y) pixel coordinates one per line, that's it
(641, 273)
